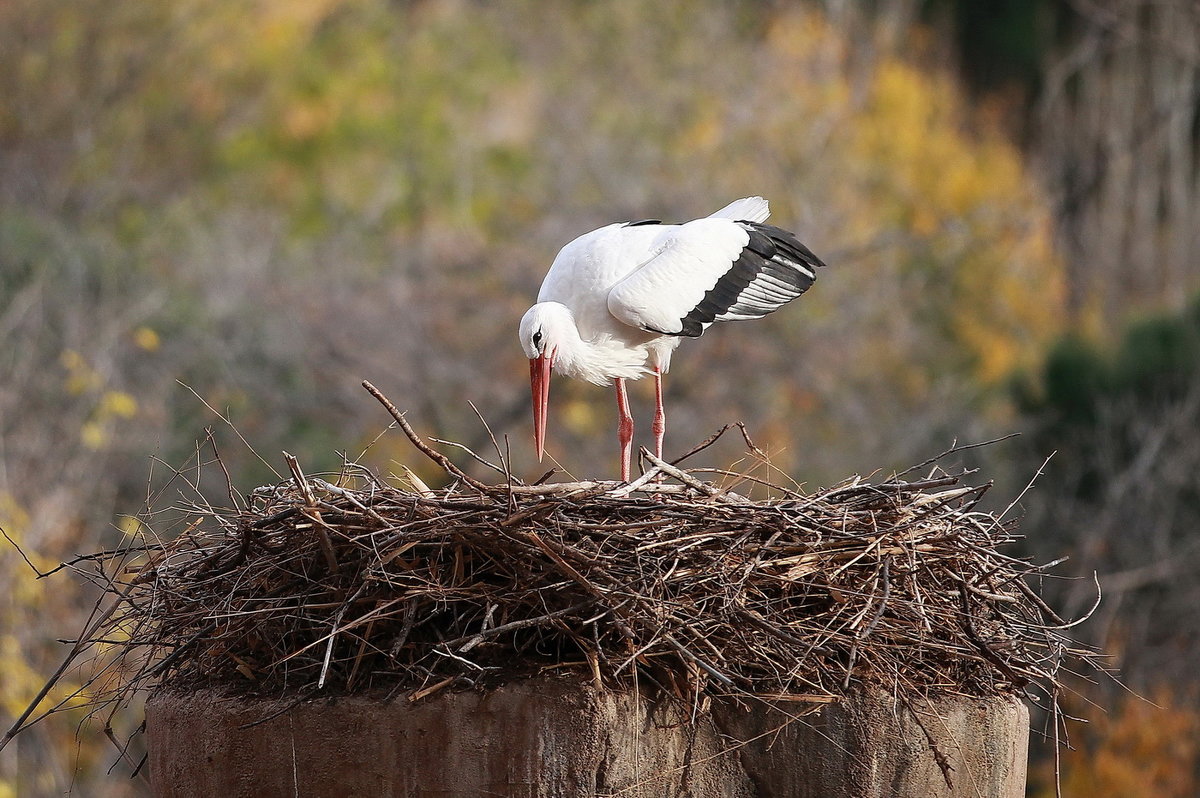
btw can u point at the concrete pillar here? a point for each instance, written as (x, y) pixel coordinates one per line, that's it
(555, 738)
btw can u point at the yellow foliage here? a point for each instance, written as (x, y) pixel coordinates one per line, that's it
(81, 377)
(116, 404)
(110, 405)
(24, 599)
(93, 435)
(1136, 749)
(146, 338)
(14, 520)
(992, 267)
(950, 222)
(20, 682)
(13, 516)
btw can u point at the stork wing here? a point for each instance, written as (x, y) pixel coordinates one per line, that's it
(750, 209)
(713, 270)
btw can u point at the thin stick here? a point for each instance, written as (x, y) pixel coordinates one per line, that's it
(212, 441)
(682, 476)
(229, 423)
(954, 449)
(423, 447)
(85, 640)
(310, 510)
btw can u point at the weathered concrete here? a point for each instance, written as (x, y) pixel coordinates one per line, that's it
(553, 738)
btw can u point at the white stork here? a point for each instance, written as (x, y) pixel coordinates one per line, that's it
(618, 300)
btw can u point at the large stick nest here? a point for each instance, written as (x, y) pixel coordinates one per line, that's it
(350, 582)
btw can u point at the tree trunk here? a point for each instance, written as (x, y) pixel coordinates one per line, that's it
(557, 738)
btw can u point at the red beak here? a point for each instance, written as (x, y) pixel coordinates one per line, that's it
(539, 384)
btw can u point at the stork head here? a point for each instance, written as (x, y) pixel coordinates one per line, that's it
(542, 331)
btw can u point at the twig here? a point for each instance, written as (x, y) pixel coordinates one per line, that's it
(954, 449)
(229, 424)
(682, 476)
(423, 447)
(311, 511)
(212, 442)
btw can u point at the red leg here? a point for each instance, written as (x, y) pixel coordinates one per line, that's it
(660, 417)
(624, 427)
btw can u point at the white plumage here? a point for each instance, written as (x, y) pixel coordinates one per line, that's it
(617, 301)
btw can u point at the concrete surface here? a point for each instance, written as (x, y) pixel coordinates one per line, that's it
(553, 738)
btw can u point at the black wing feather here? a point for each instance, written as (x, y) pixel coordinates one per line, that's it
(772, 269)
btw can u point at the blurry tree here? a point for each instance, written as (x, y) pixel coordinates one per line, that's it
(1117, 141)
(1120, 494)
(66, 416)
(444, 155)
(1106, 94)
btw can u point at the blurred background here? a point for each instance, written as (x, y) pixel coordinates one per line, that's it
(267, 201)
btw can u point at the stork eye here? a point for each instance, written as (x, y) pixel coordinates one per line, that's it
(537, 339)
